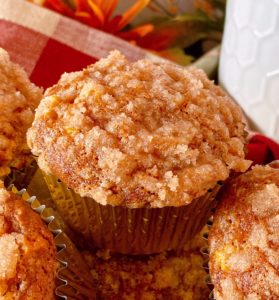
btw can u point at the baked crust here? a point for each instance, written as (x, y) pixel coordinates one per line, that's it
(18, 100)
(138, 134)
(27, 252)
(244, 239)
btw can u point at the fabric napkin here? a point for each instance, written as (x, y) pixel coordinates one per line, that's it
(48, 44)
(262, 150)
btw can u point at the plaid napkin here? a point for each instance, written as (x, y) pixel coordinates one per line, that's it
(47, 44)
(262, 150)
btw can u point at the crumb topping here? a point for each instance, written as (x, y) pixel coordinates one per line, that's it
(138, 134)
(18, 100)
(27, 252)
(168, 275)
(244, 240)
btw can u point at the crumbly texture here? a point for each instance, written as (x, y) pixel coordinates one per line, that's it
(244, 239)
(18, 100)
(138, 134)
(27, 252)
(165, 276)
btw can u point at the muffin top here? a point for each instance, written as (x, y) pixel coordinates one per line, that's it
(244, 239)
(27, 252)
(18, 100)
(138, 134)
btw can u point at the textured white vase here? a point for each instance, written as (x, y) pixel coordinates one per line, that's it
(249, 63)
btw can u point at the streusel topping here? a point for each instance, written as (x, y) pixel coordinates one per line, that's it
(244, 240)
(138, 134)
(170, 275)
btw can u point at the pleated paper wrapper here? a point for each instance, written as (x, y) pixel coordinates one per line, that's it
(136, 231)
(74, 280)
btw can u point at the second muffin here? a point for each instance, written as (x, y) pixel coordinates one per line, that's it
(244, 238)
(28, 263)
(139, 135)
(18, 101)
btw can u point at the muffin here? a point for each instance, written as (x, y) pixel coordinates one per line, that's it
(244, 238)
(168, 275)
(18, 100)
(27, 251)
(138, 143)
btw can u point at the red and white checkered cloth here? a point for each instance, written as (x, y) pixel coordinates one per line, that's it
(47, 44)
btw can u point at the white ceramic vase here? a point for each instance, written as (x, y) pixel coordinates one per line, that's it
(249, 63)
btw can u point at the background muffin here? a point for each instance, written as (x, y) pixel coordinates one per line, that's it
(166, 276)
(244, 238)
(138, 134)
(27, 252)
(18, 100)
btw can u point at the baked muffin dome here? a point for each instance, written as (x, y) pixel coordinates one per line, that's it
(244, 238)
(138, 134)
(27, 252)
(18, 100)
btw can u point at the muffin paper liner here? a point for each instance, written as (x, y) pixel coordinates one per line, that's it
(74, 280)
(131, 231)
(205, 253)
(39, 188)
(21, 177)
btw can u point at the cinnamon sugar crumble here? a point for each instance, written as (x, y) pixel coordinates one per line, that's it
(138, 134)
(244, 239)
(169, 275)
(18, 100)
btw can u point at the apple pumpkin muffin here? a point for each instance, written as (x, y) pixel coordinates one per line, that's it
(138, 135)
(165, 276)
(27, 252)
(18, 100)
(244, 238)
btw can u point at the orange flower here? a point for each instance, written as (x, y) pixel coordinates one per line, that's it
(98, 14)
(205, 6)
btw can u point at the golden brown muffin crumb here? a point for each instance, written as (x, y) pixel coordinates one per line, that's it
(165, 276)
(138, 134)
(18, 100)
(244, 239)
(27, 252)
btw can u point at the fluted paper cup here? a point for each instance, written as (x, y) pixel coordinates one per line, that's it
(131, 230)
(74, 280)
(21, 177)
